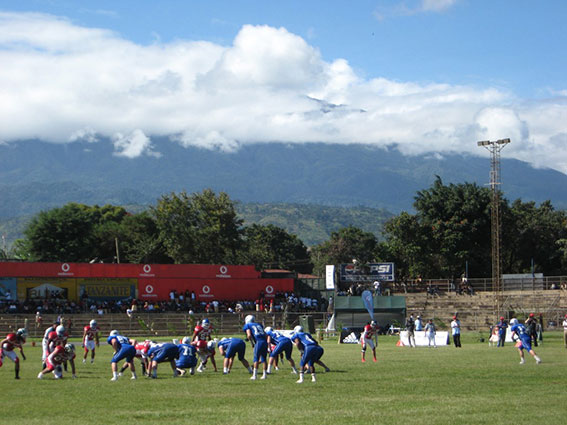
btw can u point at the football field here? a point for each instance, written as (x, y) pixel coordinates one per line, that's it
(472, 385)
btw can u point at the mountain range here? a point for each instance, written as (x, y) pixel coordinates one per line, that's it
(36, 175)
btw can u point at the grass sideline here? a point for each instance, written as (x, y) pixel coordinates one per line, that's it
(473, 385)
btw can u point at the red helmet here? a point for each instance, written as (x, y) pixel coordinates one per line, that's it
(531, 315)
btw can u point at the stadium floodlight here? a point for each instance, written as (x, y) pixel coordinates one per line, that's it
(484, 143)
(503, 141)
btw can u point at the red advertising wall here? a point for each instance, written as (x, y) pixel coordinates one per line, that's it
(155, 281)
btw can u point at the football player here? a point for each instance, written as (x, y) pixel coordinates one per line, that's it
(90, 340)
(56, 358)
(122, 350)
(283, 345)
(367, 339)
(206, 351)
(258, 338)
(13, 340)
(229, 348)
(524, 340)
(312, 352)
(160, 353)
(187, 357)
(203, 331)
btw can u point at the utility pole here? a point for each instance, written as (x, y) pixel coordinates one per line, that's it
(494, 147)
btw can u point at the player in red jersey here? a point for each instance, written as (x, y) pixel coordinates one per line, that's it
(203, 331)
(56, 358)
(205, 351)
(90, 339)
(367, 339)
(13, 340)
(141, 353)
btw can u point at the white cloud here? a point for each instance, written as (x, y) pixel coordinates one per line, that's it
(62, 82)
(437, 5)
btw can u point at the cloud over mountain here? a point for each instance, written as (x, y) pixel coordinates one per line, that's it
(62, 82)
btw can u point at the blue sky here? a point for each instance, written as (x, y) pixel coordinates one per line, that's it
(447, 71)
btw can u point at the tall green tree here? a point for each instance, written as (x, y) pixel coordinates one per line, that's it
(271, 246)
(199, 228)
(344, 245)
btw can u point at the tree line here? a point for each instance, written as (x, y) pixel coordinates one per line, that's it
(449, 229)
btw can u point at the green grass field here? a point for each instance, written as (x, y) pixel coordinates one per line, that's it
(472, 385)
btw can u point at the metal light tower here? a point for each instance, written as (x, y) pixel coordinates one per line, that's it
(496, 226)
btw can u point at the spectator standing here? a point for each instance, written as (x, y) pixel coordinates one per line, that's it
(410, 328)
(502, 326)
(531, 328)
(418, 324)
(456, 331)
(565, 331)
(430, 333)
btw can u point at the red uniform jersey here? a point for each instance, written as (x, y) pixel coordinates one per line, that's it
(142, 349)
(203, 334)
(58, 356)
(369, 331)
(90, 333)
(11, 342)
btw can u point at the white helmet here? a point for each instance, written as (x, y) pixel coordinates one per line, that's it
(268, 329)
(514, 321)
(298, 328)
(92, 323)
(114, 333)
(249, 318)
(70, 348)
(211, 345)
(60, 330)
(23, 332)
(373, 323)
(186, 340)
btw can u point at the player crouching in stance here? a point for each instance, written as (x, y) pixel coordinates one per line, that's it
(229, 348)
(187, 357)
(90, 340)
(520, 333)
(56, 358)
(206, 351)
(13, 340)
(312, 352)
(366, 339)
(160, 353)
(282, 345)
(123, 349)
(258, 338)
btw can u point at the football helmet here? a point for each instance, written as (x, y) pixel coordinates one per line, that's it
(92, 323)
(205, 323)
(211, 345)
(22, 332)
(60, 330)
(249, 318)
(298, 328)
(69, 348)
(114, 333)
(373, 323)
(268, 329)
(514, 321)
(186, 340)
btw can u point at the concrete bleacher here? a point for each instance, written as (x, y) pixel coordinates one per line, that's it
(155, 325)
(477, 312)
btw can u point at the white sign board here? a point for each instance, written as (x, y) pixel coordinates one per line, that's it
(330, 277)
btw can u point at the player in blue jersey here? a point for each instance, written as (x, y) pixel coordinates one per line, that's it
(312, 352)
(187, 357)
(160, 353)
(258, 338)
(520, 333)
(229, 348)
(282, 345)
(123, 349)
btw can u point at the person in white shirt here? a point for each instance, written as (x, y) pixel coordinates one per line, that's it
(430, 333)
(565, 331)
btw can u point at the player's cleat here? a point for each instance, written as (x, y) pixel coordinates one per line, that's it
(277, 368)
(17, 377)
(327, 369)
(114, 378)
(192, 371)
(522, 361)
(313, 379)
(92, 361)
(253, 378)
(363, 360)
(134, 377)
(538, 361)
(375, 360)
(299, 381)
(263, 377)
(84, 360)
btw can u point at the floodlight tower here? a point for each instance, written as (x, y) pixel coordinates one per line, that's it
(494, 147)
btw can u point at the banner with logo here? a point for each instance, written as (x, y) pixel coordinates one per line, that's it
(367, 272)
(107, 289)
(213, 289)
(330, 277)
(368, 301)
(8, 289)
(45, 288)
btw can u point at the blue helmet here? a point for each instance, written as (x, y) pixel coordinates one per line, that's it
(205, 323)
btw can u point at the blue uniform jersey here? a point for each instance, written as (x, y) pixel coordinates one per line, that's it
(124, 350)
(233, 346)
(282, 342)
(525, 338)
(163, 352)
(257, 331)
(305, 339)
(187, 356)
(260, 341)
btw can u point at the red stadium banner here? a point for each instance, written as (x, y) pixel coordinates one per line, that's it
(213, 289)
